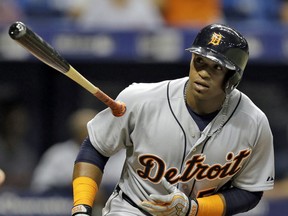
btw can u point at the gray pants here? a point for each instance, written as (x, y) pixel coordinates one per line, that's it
(117, 206)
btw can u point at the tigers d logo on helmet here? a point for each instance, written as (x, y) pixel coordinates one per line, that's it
(215, 39)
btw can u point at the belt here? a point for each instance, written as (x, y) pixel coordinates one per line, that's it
(130, 201)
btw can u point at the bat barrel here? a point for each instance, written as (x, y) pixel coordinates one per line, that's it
(47, 54)
(38, 47)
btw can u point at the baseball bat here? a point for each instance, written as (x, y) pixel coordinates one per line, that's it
(38, 47)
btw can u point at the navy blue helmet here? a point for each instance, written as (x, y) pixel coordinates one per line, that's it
(225, 46)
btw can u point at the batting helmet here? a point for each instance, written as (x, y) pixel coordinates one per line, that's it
(225, 46)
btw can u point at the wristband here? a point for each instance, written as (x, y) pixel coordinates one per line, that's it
(81, 210)
(84, 191)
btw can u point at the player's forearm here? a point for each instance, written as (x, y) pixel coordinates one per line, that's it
(238, 200)
(228, 202)
(89, 170)
(86, 180)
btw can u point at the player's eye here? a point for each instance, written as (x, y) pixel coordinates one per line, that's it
(198, 60)
(218, 67)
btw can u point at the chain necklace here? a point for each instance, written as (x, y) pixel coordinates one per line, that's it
(185, 92)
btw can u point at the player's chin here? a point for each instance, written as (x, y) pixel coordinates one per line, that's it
(203, 92)
(206, 95)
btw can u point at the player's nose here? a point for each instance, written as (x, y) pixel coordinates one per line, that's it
(203, 73)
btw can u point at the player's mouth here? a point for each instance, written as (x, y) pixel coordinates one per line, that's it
(201, 85)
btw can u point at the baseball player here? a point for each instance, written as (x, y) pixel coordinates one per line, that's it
(194, 146)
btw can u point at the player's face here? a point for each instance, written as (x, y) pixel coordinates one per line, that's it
(206, 78)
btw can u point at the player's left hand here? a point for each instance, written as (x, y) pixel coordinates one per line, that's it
(175, 203)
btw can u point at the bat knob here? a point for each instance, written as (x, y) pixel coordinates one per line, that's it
(119, 110)
(17, 30)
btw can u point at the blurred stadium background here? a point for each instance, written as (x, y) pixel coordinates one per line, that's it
(36, 101)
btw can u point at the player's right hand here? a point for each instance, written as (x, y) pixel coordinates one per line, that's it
(175, 203)
(81, 210)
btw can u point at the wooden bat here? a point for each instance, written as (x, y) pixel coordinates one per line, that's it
(48, 55)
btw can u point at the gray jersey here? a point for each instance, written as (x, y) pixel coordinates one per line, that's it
(162, 139)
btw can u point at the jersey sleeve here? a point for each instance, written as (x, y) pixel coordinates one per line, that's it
(258, 174)
(107, 133)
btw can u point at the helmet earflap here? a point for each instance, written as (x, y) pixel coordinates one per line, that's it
(232, 82)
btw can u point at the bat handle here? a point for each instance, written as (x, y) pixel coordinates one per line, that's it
(118, 108)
